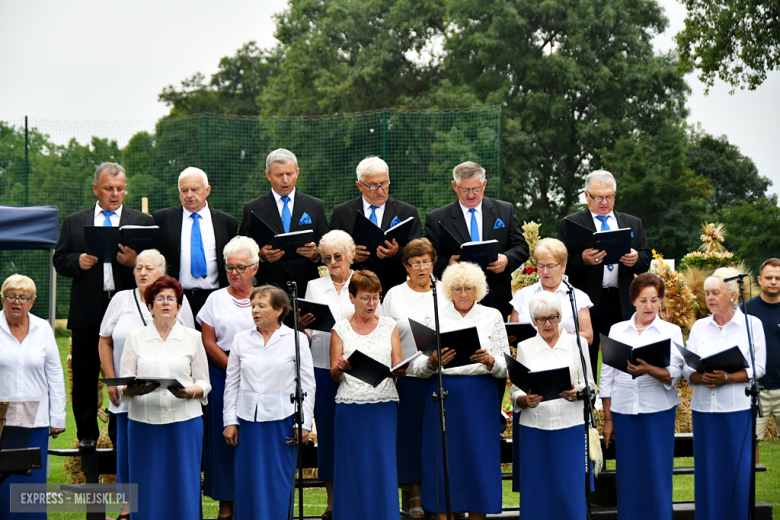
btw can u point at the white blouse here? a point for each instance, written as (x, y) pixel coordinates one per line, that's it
(227, 315)
(377, 344)
(322, 290)
(523, 296)
(122, 316)
(492, 336)
(707, 339)
(645, 394)
(32, 370)
(261, 377)
(401, 303)
(180, 356)
(537, 355)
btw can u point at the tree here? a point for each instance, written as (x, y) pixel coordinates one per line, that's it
(737, 41)
(753, 229)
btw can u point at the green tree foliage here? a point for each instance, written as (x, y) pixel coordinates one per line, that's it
(753, 229)
(737, 41)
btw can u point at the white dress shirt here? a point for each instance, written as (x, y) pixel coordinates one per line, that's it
(537, 355)
(227, 315)
(467, 215)
(610, 277)
(280, 203)
(108, 273)
(645, 394)
(379, 212)
(180, 356)
(322, 290)
(261, 377)
(401, 303)
(706, 339)
(209, 245)
(523, 296)
(32, 371)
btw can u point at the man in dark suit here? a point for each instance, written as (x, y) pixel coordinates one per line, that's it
(607, 286)
(475, 217)
(286, 209)
(93, 286)
(194, 235)
(384, 211)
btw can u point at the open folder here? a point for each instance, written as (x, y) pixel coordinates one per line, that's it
(521, 332)
(465, 342)
(164, 382)
(616, 242)
(483, 252)
(546, 383)
(103, 241)
(287, 242)
(368, 234)
(371, 371)
(323, 318)
(617, 354)
(730, 360)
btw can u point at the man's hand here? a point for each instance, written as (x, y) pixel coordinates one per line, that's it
(87, 262)
(269, 254)
(593, 256)
(309, 251)
(361, 254)
(126, 256)
(454, 259)
(629, 259)
(113, 395)
(499, 265)
(387, 252)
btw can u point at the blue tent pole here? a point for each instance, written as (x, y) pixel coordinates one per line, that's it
(52, 292)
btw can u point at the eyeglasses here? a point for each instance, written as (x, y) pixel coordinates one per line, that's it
(549, 267)
(365, 300)
(475, 191)
(546, 319)
(10, 298)
(240, 268)
(163, 299)
(374, 187)
(423, 265)
(460, 289)
(608, 198)
(338, 257)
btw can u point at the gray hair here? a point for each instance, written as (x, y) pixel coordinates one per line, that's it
(337, 240)
(280, 156)
(111, 169)
(191, 170)
(544, 302)
(155, 256)
(467, 170)
(242, 244)
(371, 166)
(602, 177)
(717, 279)
(466, 274)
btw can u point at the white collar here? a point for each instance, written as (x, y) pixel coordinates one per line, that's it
(203, 212)
(278, 197)
(118, 211)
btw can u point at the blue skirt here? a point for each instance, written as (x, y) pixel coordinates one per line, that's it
(515, 449)
(721, 476)
(552, 476)
(39, 439)
(165, 463)
(218, 455)
(473, 445)
(644, 454)
(365, 482)
(264, 470)
(412, 395)
(324, 412)
(122, 469)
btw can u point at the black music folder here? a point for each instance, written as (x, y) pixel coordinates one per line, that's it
(368, 234)
(546, 383)
(730, 360)
(371, 371)
(164, 382)
(616, 354)
(521, 332)
(616, 242)
(323, 318)
(483, 252)
(287, 242)
(103, 241)
(464, 342)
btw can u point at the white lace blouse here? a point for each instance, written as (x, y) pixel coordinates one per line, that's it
(377, 345)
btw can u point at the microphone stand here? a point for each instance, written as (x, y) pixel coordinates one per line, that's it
(590, 415)
(297, 398)
(439, 397)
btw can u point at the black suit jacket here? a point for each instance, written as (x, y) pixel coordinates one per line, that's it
(169, 220)
(510, 239)
(300, 270)
(588, 278)
(391, 271)
(86, 294)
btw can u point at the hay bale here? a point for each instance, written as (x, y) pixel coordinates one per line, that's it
(73, 464)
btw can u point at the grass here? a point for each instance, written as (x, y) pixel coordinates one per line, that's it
(315, 500)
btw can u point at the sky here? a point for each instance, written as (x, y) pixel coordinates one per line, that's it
(105, 62)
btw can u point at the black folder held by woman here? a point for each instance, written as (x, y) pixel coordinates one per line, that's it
(730, 360)
(465, 342)
(371, 371)
(617, 354)
(546, 383)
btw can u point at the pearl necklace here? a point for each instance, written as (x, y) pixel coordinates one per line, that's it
(344, 282)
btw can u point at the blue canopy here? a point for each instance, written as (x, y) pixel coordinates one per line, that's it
(29, 228)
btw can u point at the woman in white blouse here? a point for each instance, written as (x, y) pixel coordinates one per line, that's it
(720, 409)
(226, 313)
(258, 414)
(365, 482)
(472, 428)
(640, 410)
(165, 429)
(552, 433)
(30, 370)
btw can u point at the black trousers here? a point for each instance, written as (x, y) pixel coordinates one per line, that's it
(86, 370)
(602, 320)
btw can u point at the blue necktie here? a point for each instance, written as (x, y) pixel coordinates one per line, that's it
(605, 227)
(474, 226)
(286, 216)
(107, 222)
(372, 218)
(198, 266)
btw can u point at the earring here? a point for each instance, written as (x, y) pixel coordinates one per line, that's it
(732, 300)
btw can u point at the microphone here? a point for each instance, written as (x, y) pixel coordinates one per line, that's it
(565, 281)
(433, 279)
(738, 277)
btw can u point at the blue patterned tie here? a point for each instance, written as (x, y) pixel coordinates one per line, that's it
(198, 266)
(474, 226)
(286, 216)
(372, 218)
(107, 222)
(605, 227)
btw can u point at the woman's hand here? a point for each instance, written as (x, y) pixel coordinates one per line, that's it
(343, 363)
(305, 320)
(113, 395)
(401, 372)
(447, 355)
(609, 431)
(230, 433)
(184, 392)
(532, 400)
(305, 436)
(714, 379)
(55, 431)
(569, 395)
(483, 356)
(140, 388)
(641, 368)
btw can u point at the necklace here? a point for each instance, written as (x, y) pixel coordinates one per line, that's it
(643, 328)
(342, 284)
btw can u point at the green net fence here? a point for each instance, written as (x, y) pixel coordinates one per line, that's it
(52, 163)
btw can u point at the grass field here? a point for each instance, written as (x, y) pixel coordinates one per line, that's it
(767, 484)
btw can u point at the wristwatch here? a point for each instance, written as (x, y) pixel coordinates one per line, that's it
(726, 375)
